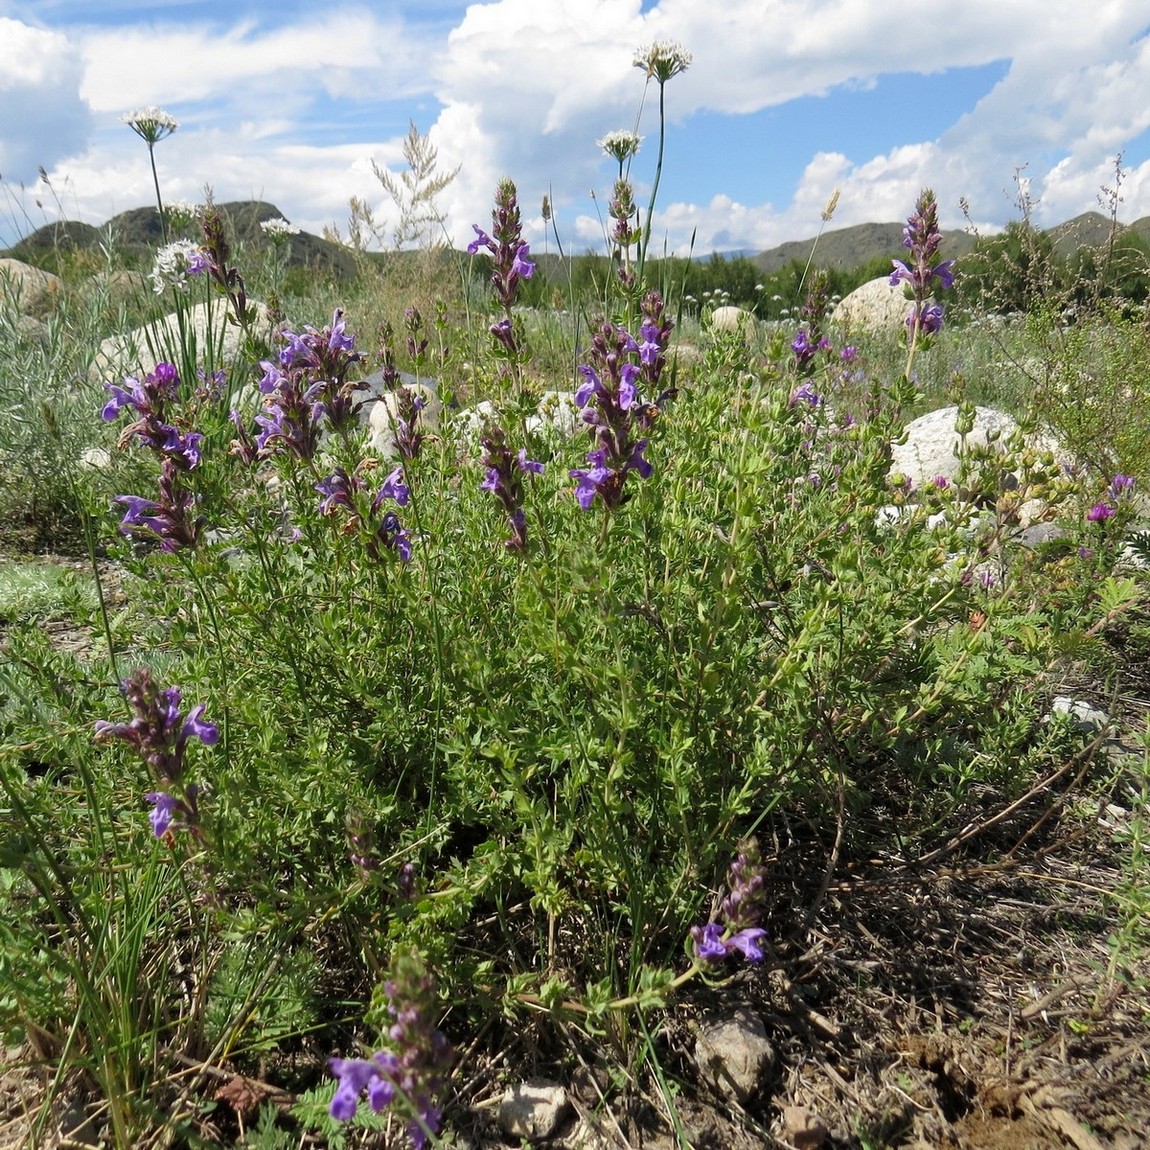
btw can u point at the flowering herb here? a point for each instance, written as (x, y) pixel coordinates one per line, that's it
(735, 927)
(171, 519)
(278, 229)
(160, 733)
(620, 146)
(663, 60)
(412, 1070)
(922, 238)
(612, 408)
(306, 382)
(174, 263)
(152, 125)
(809, 340)
(504, 479)
(1121, 486)
(510, 263)
(349, 498)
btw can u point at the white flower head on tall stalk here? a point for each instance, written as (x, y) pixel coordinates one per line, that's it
(660, 62)
(150, 124)
(153, 125)
(620, 145)
(663, 60)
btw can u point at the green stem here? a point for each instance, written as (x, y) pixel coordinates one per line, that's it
(646, 239)
(159, 199)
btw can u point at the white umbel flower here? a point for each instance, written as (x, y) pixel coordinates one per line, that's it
(150, 124)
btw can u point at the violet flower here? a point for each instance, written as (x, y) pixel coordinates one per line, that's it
(1099, 513)
(1121, 485)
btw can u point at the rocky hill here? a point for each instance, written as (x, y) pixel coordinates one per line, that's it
(137, 233)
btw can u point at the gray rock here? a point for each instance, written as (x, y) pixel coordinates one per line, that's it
(30, 291)
(203, 322)
(1086, 717)
(534, 1109)
(873, 306)
(734, 1054)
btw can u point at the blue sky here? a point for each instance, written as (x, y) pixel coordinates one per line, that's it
(785, 101)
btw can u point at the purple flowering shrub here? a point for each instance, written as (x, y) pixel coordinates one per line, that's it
(487, 751)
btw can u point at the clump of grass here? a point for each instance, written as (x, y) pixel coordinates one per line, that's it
(30, 589)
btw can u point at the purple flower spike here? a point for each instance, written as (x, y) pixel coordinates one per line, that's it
(413, 1071)
(736, 928)
(1099, 513)
(503, 479)
(159, 733)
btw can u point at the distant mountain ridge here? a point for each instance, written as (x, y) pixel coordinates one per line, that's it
(848, 248)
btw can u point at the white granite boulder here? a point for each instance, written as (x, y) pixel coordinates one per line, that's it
(873, 306)
(931, 443)
(206, 323)
(29, 291)
(732, 319)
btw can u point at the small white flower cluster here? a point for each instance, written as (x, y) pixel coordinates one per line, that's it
(663, 59)
(180, 213)
(278, 228)
(151, 124)
(621, 145)
(171, 266)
